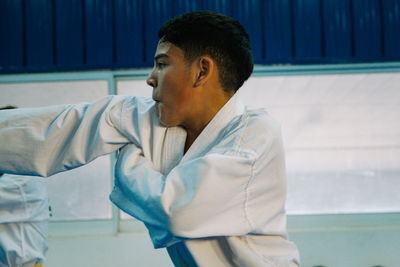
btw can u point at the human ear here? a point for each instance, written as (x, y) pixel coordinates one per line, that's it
(205, 68)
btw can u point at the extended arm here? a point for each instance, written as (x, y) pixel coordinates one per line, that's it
(44, 141)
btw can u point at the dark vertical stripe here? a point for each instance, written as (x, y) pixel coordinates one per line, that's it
(367, 30)
(243, 10)
(382, 28)
(53, 18)
(99, 33)
(84, 54)
(39, 34)
(11, 35)
(263, 33)
(322, 28)
(156, 12)
(173, 5)
(68, 34)
(293, 34)
(129, 33)
(24, 32)
(221, 6)
(113, 33)
(337, 27)
(144, 42)
(391, 26)
(353, 46)
(277, 31)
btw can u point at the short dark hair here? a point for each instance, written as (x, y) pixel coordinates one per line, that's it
(221, 37)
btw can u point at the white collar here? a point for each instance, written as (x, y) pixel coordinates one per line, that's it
(211, 132)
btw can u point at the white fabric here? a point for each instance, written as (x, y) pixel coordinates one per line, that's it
(223, 201)
(24, 215)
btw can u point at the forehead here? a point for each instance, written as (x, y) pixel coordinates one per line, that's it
(169, 50)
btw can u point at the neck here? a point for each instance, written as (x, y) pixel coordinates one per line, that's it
(211, 106)
(190, 138)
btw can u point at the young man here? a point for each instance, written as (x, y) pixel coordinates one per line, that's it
(202, 172)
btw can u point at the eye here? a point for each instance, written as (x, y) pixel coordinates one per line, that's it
(160, 65)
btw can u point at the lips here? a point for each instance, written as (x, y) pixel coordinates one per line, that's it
(157, 104)
(156, 99)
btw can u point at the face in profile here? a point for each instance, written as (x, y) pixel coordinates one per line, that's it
(171, 79)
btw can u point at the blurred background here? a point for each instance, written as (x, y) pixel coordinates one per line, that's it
(327, 70)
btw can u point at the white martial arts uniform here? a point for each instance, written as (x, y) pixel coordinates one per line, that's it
(24, 215)
(220, 204)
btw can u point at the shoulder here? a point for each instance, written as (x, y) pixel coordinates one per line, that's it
(254, 132)
(260, 120)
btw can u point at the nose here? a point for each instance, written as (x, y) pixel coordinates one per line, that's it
(151, 80)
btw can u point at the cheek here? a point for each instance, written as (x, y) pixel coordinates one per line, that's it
(169, 89)
(172, 89)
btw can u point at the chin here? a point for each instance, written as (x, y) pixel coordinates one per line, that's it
(165, 120)
(163, 124)
(167, 124)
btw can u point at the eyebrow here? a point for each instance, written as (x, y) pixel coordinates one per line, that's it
(160, 56)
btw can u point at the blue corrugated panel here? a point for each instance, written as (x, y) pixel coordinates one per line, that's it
(11, 32)
(184, 6)
(99, 32)
(391, 11)
(307, 30)
(69, 33)
(39, 34)
(249, 14)
(156, 12)
(337, 29)
(129, 33)
(221, 6)
(367, 29)
(277, 31)
(47, 35)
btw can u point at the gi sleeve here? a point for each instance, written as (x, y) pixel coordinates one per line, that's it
(44, 141)
(205, 196)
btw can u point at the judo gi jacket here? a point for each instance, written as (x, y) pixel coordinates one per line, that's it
(24, 216)
(222, 203)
